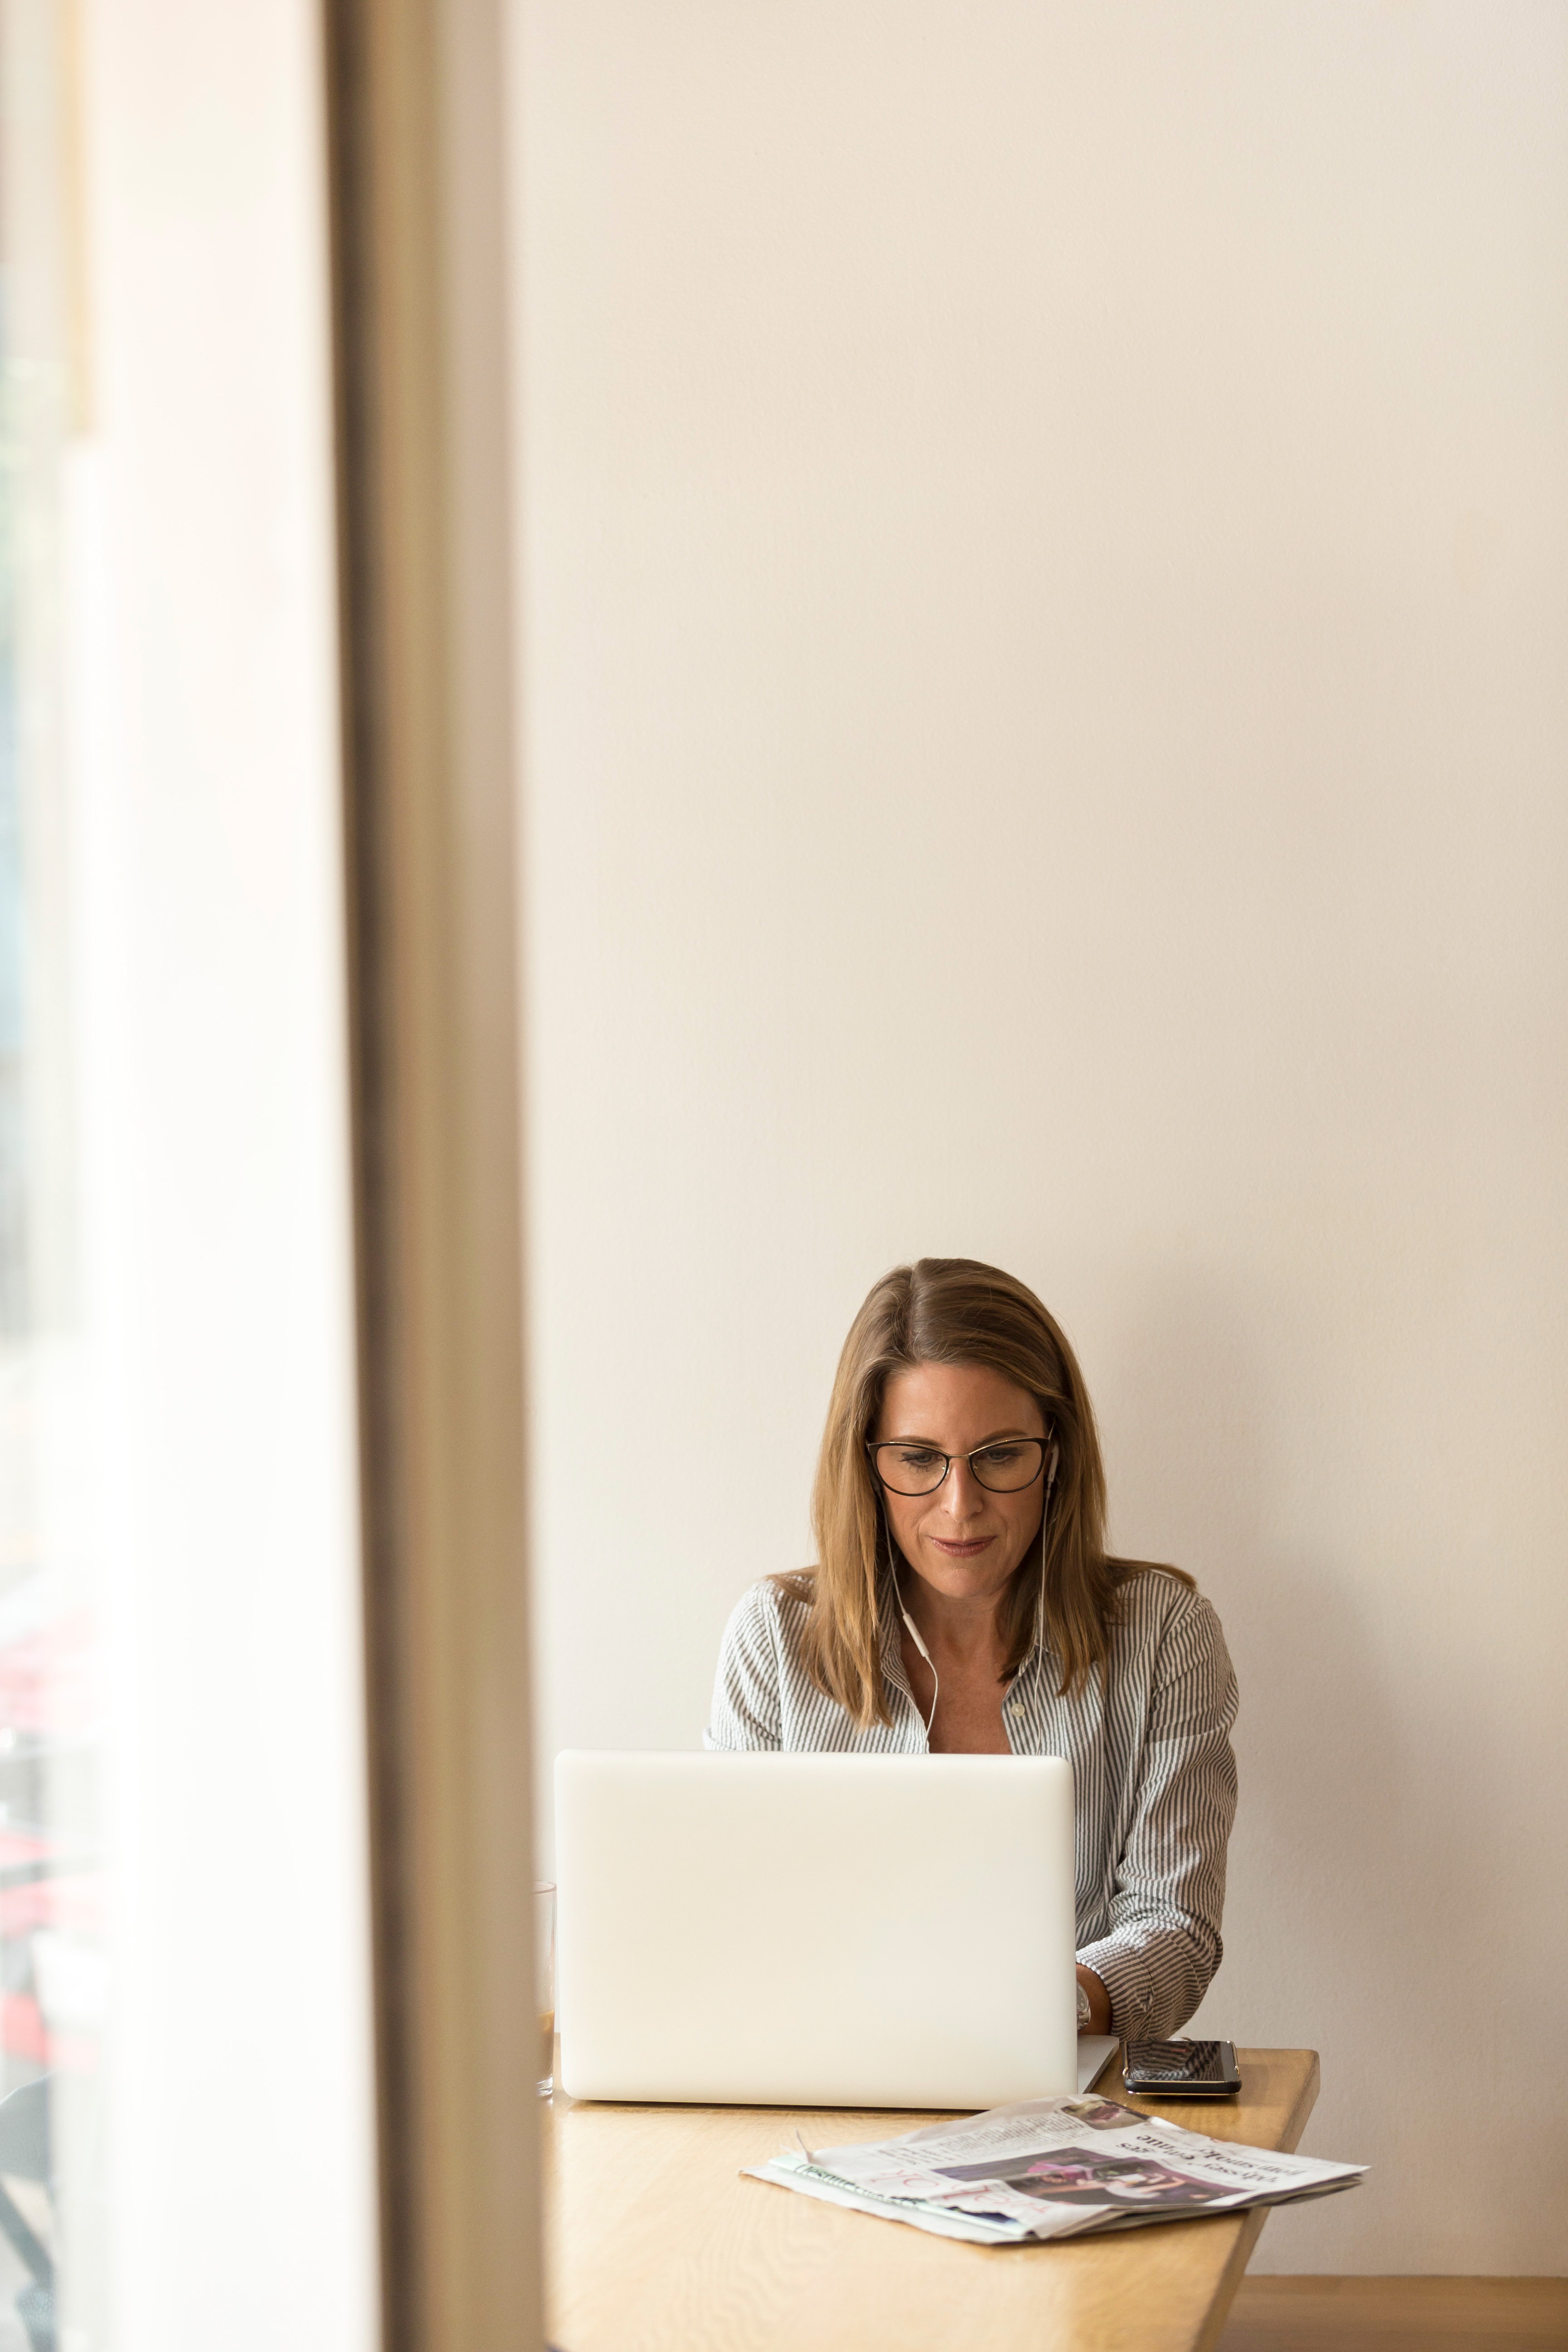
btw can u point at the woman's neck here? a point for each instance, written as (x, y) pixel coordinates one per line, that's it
(964, 1628)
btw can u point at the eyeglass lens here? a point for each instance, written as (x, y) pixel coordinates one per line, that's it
(1006, 1467)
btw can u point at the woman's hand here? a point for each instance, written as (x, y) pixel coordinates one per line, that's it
(1099, 2002)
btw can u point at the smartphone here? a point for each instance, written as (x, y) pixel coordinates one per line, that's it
(1182, 2070)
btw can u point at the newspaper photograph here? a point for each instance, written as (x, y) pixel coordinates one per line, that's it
(1052, 2168)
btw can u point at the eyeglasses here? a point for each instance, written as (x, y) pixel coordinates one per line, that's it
(1006, 1467)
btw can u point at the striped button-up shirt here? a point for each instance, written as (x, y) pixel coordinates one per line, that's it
(1148, 1738)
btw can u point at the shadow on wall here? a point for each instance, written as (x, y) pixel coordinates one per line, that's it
(1366, 1886)
(1198, 1444)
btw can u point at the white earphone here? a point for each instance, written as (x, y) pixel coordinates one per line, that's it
(915, 1637)
(912, 1629)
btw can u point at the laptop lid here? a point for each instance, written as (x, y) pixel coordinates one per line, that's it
(870, 1931)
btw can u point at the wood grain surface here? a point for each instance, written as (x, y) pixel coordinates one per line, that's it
(656, 2243)
(1398, 2314)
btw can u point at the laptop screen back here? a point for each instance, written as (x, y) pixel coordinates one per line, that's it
(877, 1931)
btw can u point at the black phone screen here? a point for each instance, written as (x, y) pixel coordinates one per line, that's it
(1182, 2065)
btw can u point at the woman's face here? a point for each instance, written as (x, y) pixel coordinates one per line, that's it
(963, 1540)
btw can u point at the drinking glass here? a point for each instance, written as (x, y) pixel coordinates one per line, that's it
(544, 1983)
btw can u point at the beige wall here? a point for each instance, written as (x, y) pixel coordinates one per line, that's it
(1047, 541)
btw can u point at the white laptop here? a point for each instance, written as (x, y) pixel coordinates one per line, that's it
(861, 1931)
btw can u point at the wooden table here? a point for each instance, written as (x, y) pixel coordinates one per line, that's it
(656, 2243)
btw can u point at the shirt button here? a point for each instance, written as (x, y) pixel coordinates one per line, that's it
(1016, 1706)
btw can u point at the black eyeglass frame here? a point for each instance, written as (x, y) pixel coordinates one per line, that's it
(874, 1446)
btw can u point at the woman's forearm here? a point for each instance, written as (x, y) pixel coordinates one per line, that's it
(1099, 2002)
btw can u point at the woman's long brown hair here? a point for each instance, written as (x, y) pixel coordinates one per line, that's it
(953, 1310)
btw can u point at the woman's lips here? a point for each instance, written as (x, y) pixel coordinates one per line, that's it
(962, 1551)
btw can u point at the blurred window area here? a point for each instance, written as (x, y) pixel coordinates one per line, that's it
(53, 1965)
(188, 2021)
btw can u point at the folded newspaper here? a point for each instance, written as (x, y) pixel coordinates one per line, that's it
(1052, 2168)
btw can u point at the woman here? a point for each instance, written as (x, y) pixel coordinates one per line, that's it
(964, 1602)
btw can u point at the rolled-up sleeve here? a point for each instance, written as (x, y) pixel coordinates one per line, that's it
(747, 1711)
(1163, 1944)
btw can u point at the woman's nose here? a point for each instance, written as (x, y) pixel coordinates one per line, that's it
(966, 1498)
